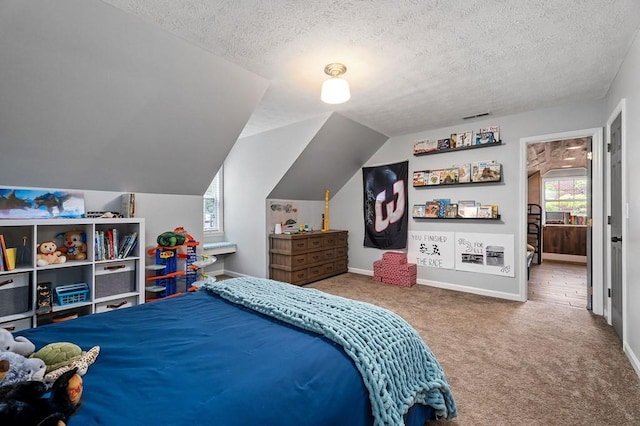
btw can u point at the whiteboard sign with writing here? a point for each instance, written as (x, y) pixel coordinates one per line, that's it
(485, 253)
(431, 249)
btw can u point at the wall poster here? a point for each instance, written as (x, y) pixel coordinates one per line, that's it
(485, 253)
(432, 249)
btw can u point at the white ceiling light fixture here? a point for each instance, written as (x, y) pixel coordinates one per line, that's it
(335, 90)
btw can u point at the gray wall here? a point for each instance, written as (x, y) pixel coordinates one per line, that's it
(346, 206)
(95, 98)
(253, 168)
(627, 85)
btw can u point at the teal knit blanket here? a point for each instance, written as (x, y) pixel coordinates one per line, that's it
(396, 365)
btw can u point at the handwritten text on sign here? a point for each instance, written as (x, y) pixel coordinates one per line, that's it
(432, 249)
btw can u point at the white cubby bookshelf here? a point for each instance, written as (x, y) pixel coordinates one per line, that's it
(111, 284)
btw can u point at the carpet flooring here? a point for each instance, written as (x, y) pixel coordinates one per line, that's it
(512, 363)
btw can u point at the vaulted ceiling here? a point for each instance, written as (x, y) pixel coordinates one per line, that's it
(545, 156)
(412, 64)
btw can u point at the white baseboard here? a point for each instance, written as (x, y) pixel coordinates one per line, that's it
(231, 273)
(632, 358)
(454, 287)
(564, 257)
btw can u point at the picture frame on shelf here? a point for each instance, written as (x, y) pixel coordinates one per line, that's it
(40, 204)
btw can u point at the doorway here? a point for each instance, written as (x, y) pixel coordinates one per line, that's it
(594, 221)
(559, 198)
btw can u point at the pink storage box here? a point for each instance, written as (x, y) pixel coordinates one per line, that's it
(400, 281)
(394, 257)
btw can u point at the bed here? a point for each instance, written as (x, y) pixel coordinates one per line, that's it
(226, 358)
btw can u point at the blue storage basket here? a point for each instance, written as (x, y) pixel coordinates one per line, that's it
(72, 293)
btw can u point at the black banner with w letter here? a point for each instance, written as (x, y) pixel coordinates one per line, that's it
(386, 205)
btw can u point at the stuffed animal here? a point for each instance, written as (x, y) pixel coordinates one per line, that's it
(59, 354)
(22, 369)
(19, 345)
(26, 403)
(73, 245)
(48, 254)
(81, 364)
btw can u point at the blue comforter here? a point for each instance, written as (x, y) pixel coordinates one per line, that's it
(198, 359)
(398, 368)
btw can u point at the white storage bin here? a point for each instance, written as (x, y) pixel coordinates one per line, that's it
(115, 278)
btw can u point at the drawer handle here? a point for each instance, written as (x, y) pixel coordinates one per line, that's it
(119, 305)
(10, 328)
(111, 268)
(5, 282)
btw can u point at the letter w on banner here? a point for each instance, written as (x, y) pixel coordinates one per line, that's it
(385, 205)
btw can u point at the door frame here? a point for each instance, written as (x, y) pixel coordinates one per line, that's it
(597, 229)
(619, 109)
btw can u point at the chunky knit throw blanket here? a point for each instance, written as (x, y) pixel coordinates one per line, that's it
(397, 367)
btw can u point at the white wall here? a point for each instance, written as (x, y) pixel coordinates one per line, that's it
(251, 170)
(627, 86)
(346, 207)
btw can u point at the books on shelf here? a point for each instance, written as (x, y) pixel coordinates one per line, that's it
(427, 145)
(451, 211)
(110, 245)
(432, 209)
(128, 244)
(494, 130)
(5, 264)
(465, 139)
(464, 173)
(444, 143)
(434, 177)
(420, 178)
(418, 210)
(486, 171)
(449, 176)
(128, 205)
(484, 211)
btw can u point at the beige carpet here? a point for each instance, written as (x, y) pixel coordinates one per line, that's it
(512, 363)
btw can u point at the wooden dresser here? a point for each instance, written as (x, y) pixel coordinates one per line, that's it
(307, 256)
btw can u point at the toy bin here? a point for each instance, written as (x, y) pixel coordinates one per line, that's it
(72, 293)
(15, 294)
(115, 278)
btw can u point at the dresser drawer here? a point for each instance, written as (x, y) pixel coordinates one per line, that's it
(329, 240)
(290, 261)
(328, 254)
(341, 252)
(315, 257)
(316, 242)
(321, 270)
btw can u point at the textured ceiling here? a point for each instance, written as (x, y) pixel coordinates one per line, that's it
(414, 64)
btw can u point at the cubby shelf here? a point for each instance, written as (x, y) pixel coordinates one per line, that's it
(458, 148)
(110, 284)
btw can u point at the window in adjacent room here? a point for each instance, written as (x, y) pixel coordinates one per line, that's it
(212, 205)
(565, 197)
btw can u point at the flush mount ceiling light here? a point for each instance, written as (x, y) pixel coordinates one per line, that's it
(335, 90)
